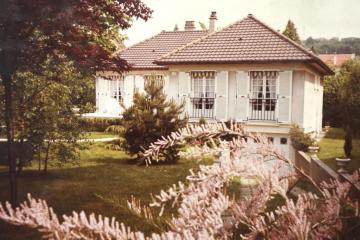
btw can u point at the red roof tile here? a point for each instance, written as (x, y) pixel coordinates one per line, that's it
(143, 54)
(248, 40)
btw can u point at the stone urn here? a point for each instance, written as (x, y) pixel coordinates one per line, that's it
(342, 163)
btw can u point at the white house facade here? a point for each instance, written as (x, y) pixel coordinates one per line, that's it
(246, 72)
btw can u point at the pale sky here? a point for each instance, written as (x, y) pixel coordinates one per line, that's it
(316, 18)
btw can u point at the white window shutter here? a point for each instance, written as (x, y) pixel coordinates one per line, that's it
(172, 89)
(184, 90)
(139, 83)
(129, 90)
(242, 96)
(221, 95)
(284, 96)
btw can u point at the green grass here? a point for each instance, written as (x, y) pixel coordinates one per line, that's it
(97, 135)
(100, 172)
(332, 145)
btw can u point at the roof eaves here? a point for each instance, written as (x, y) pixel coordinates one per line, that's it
(326, 69)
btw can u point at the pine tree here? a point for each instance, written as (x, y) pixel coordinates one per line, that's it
(291, 32)
(149, 118)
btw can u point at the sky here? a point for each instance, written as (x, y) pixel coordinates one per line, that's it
(315, 18)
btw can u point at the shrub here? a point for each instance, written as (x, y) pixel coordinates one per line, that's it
(202, 121)
(149, 118)
(300, 140)
(28, 152)
(98, 124)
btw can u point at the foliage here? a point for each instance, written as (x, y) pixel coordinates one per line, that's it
(332, 111)
(300, 140)
(350, 102)
(27, 151)
(203, 26)
(98, 124)
(342, 101)
(202, 121)
(33, 31)
(291, 32)
(150, 117)
(268, 174)
(334, 45)
(46, 119)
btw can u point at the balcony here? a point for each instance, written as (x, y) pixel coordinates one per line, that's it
(263, 109)
(202, 107)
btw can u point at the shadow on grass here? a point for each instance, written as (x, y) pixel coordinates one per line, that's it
(75, 188)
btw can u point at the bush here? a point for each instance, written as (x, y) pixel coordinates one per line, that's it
(27, 154)
(300, 140)
(202, 121)
(149, 118)
(98, 124)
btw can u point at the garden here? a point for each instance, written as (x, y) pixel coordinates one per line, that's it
(156, 176)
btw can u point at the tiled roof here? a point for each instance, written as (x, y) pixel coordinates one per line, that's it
(248, 40)
(143, 54)
(336, 59)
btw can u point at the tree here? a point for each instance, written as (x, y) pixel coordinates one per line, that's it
(332, 112)
(291, 32)
(203, 26)
(334, 45)
(46, 118)
(150, 117)
(350, 102)
(31, 30)
(342, 101)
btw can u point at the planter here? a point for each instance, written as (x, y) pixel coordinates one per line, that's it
(313, 149)
(327, 126)
(342, 163)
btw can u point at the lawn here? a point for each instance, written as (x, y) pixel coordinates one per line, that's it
(331, 147)
(100, 174)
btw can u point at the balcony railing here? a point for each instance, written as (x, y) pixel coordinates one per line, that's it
(202, 107)
(262, 109)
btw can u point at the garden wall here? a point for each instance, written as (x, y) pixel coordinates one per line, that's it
(319, 172)
(314, 167)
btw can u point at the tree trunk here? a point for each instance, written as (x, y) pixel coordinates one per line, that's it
(39, 158)
(22, 130)
(21, 156)
(348, 143)
(6, 79)
(46, 158)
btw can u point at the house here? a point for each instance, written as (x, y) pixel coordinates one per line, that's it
(246, 72)
(336, 60)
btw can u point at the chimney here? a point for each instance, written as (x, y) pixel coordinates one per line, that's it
(176, 28)
(190, 26)
(213, 19)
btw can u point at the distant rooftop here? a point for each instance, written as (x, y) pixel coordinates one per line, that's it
(336, 60)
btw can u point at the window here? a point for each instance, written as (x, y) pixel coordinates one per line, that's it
(263, 94)
(157, 79)
(203, 98)
(116, 87)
